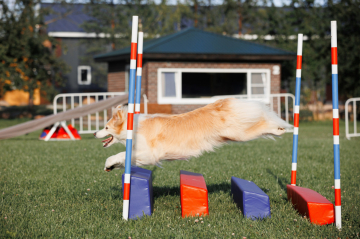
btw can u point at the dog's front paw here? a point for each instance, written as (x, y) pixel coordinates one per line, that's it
(109, 169)
(113, 162)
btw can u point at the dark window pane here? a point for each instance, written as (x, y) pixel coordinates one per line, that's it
(196, 85)
(83, 75)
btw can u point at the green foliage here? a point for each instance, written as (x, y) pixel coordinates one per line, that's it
(312, 20)
(14, 112)
(44, 189)
(346, 12)
(27, 61)
(299, 16)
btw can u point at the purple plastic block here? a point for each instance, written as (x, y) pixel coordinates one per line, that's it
(141, 192)
(253, 202)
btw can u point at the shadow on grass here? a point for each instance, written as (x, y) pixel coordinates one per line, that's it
(158, 192)
(175, 191)
(279, 180)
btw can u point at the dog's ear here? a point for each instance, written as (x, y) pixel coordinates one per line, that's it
(119, 116)
(116, 109)
(116, 114)
(119, 108)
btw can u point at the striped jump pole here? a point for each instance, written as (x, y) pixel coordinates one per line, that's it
(139, 73)
(130, 117)
(296, 109)
(335, 103)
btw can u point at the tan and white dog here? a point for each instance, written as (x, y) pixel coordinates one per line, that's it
(161, 137)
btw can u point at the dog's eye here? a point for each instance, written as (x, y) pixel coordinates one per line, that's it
(106, 128)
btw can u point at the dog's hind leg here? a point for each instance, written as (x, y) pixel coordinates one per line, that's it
(263, 127)
(116, 161)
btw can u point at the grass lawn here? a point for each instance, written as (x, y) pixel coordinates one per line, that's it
(59, 189)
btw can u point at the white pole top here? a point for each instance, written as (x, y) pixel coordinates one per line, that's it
(300, 44)
(140, 45)
(333, 34)
(134, 31)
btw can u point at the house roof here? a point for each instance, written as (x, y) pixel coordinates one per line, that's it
(193, 43)
(65, 17)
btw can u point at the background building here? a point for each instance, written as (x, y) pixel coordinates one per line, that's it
(188, 69)
(64, 23)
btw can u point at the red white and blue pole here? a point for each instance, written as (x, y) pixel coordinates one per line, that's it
(139, 73)
(335, 102)
(130, 117)
(296, 109)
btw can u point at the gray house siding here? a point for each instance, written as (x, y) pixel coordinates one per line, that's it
(72, 53)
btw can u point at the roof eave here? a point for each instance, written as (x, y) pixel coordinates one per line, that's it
(111, 58)
(211, 57)
(250, 57)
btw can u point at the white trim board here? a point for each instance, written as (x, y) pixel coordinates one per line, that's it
(82, 35)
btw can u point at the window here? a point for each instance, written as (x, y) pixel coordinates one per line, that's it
(204, 86)
(84, 75)
(258, 84)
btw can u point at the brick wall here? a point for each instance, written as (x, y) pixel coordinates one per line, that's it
(116, 81)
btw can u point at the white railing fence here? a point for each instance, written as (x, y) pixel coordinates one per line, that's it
(146, 101)
(351, 109)
(279, 103)
(92, 122)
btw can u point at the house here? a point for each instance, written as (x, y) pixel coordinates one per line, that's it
(188, 69)
(64, 24)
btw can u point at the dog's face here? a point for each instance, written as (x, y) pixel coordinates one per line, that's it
(113, 128)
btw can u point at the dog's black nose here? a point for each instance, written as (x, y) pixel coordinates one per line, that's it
(95, 134)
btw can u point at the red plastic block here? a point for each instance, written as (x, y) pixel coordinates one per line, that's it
(60, 133)
(313, 205)
(193, 194)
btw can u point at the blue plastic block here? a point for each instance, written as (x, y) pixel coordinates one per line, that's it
(253, 202)
(141, 192)
(43, 135)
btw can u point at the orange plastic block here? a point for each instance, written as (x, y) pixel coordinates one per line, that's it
(193, 194)
(62, 134)
(313, 205)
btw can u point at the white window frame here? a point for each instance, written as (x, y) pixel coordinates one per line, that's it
(178, 84)
(88, 77)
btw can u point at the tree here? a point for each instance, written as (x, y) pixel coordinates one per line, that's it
(304, 16)
(112, 24)
(346, 13)
(27, 62)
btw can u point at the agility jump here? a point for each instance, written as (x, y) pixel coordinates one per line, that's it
(317, 208)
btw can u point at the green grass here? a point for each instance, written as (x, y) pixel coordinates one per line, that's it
(44, 189)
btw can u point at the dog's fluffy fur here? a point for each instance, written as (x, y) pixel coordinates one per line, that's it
(170, 137)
